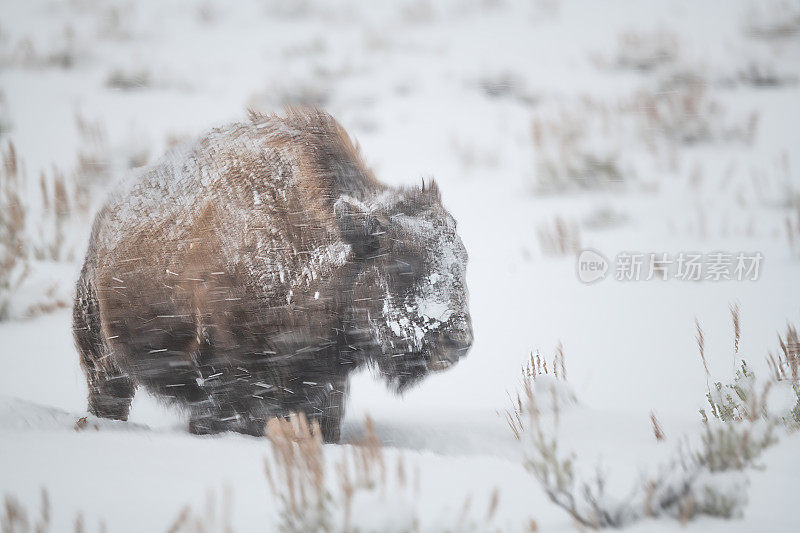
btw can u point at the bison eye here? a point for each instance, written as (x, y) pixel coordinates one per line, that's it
(403, 273)
(403, 269)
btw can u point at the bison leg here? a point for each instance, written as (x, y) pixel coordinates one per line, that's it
(110, 390)
(205, 421)
(110, 395)
(330, 421)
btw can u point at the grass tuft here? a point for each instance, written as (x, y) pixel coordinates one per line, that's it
(738, 427)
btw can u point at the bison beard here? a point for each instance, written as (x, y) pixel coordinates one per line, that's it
(247, 275)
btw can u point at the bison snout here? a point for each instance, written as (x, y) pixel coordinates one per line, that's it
(451, 345)
(457, 344)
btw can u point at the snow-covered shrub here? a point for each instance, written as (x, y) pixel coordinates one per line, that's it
(738, 401)
(771, 402)
(744, 415)
(744, 419)
(743, 425)
(729, 446)
(535, 420)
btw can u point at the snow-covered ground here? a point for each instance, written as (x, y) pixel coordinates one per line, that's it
(644, 127)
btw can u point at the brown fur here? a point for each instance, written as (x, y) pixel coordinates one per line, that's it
(223, 278)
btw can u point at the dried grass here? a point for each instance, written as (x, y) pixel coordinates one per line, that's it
(733, 447)
(685, 114)
(60, 51)
(38, 223)
(188, 521)
(604, 217)
(316, 92)
(793, 233)
(561, 238)
(298, 475)
(5, 117)
(787, 365)
(506, 85)
(14, 517)
(534, 367)
(572, 151)
(658, 432)
(646, 51)
(318, 495)
(472, 156)
(763, 73)
(737, 327)
(115, 22)
(56, 213)
(586, 144)
(14, 264)
(773, 20)
(701, 346)
(740, 426)
(586, 500)
(128, 80)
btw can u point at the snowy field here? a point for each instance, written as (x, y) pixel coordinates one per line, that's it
(552, 126)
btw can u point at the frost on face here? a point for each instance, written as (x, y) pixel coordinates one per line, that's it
(423, 297)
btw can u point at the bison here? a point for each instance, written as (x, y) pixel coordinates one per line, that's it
(247, 275)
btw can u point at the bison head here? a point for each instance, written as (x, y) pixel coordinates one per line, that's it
(410, 295)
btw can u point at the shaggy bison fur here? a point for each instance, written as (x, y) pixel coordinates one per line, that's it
(245, 276)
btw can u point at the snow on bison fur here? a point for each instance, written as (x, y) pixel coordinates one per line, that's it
(247, 275)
